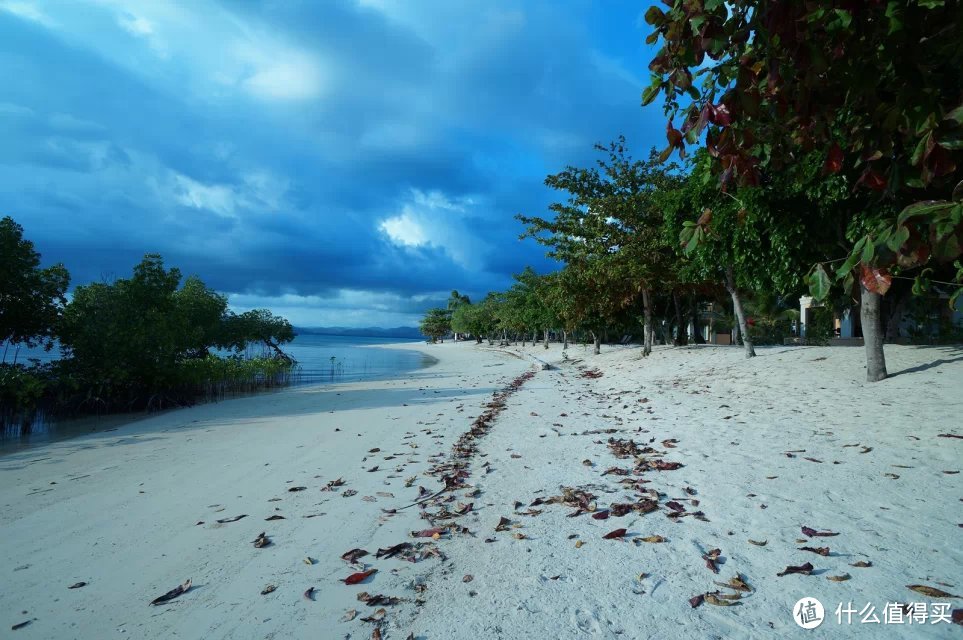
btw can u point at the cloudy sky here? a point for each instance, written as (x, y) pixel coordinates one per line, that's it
(340, 162)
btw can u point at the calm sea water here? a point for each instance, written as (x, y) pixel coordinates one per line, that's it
(321, 359)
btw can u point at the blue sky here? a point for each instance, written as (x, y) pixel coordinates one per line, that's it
(340, 162)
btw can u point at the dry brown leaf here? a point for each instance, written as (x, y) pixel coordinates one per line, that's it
(377, 616)
(931, 592)
(736, 583)
(805, 569)
(758, 543)
(468, 578)
(841, 578)
(173, 593)
(578, 544)
(652, 539)
(349, 615)
(862, 564)
(268, 589)
(261, 541)
(719, 601)
(823, 551)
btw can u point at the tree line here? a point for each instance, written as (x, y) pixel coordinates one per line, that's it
(819, 148)
(144, 342)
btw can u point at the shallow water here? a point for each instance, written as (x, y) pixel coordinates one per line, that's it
(321, 359)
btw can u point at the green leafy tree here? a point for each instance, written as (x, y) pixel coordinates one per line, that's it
(611, 225)
(873, 87)
(754, 240)
(31, 298)
(456, 300)
(436, 324)
(476, 319)
(256, 325)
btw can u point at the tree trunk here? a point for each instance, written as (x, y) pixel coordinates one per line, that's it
(546, 338)
(869, 317)
(564, 340)
(740, 314)
(478, 339)
(647, 324)
(681, 334)
(598, 343)
(694, 320)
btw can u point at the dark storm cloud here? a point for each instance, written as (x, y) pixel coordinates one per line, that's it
(309, 156)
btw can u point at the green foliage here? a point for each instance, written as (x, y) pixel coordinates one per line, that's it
(873, 92)
(436, 324)
(31, 298)
(819, 329)
(21, 388)
(137, 342)
(236, 331)
(477, 319)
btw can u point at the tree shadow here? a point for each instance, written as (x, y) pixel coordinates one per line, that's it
(952, 350)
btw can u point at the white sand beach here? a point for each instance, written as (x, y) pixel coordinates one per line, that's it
(767, 446)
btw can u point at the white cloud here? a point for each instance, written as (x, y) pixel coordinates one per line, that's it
(217, 198)
(294, 77)
(404, 230)
(135, 25)
(27, 11)
(257, 191)
(432, 219)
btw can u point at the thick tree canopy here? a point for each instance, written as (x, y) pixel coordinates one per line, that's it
(31, 298)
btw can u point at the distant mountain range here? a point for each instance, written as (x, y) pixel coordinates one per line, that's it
(367, 332)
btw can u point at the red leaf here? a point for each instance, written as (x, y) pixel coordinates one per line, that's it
(601, 515)
(809, 531)
(719, 115)
(361, 576)
(834, 161)
(711, 557)
(805, 569)
(618, 534)
(427, 533)
(872, 180)
(877, 280)
(675, 506)
(695, 601)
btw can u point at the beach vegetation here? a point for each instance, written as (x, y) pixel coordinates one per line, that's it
(149, 341)
(872, 89)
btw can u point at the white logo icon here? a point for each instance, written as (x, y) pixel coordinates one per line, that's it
(808, 613)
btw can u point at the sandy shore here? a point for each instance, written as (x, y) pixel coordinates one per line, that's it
(788, 440)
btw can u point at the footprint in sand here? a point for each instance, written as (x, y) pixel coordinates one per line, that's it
(586, 621)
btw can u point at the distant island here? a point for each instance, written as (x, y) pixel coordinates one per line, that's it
(367, 332)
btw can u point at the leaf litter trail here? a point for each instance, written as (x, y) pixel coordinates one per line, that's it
(676, 498)
(249, 505)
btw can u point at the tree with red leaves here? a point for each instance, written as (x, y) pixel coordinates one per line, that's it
(875, 86)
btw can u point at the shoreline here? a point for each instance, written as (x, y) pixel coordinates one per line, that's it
(119, 510)
(134, 513)
(110, 422)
